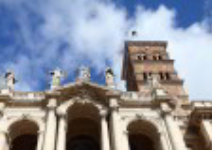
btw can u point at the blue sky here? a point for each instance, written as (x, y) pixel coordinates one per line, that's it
(37, 36)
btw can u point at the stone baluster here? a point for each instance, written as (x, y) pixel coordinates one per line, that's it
(116, 128)
(206, 128)
(165, 145)
(51, 124)
(173, 129)
(61, 140)
(105, 142)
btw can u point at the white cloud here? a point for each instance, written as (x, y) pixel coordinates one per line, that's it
(96, 30)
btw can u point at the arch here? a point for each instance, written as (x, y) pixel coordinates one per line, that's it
(83, 110)
(143, 126)
(23, 135)
(36, 121)
(23, 126)
(82, 122)
(143, 134)
(81, 103)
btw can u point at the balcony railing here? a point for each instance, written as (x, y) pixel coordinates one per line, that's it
(136, 96)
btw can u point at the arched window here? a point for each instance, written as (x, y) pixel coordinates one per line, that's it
(160, 57)
(162, 76)
(141, 57)
(145, 76)
(168, 77)
(165, 76)
(155, 57)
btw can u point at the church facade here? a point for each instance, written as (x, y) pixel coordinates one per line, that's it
(153, 114)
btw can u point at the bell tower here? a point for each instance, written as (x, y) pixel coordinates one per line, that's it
(145, 59)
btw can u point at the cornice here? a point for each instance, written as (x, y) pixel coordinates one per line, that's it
(146, 43)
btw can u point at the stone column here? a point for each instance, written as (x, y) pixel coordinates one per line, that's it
(105, 141)
(206, 128)
(163, 142)
(3, 141)
(50, 131)
(173, 129)
(117, 132)
(125, 139)
(40, 140)
(61, 139)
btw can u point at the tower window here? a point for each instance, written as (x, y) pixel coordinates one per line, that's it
(165, 76)
(168, 77)
(160, 57)
(141, 57)
(157, 57)
(162, 76)
(145, 76)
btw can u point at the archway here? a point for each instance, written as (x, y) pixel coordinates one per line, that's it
(23, 135)
(83, 128)
(143, 136)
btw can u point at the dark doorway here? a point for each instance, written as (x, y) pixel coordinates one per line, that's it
(140, 142)
(24, 142)
(82, 143)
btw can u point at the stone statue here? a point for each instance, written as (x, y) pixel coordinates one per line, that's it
(109, 77)
(10, 80)
(155, 86)
(57, 74)
(154, 82)
(84, 73)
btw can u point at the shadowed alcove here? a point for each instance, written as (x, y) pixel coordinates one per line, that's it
(142, 136)
(83, 128)
(23, 135)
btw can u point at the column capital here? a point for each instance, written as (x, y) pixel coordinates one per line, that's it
(61, 112)
(113, 102)
(103, 113)
(165, 109)
(52, 104)
(40, 131)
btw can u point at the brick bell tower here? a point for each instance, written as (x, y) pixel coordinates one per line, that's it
(144, 59)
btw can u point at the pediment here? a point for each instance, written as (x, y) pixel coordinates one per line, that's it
(85, 91)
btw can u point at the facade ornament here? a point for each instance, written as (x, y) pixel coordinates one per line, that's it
(165, 108)
(109, 78)
(103, 112)
(140, 117)
(114, 104)
(154, 82)
(155, 87)
(56, 75)
(52, 104)
(10, 80)
(83, 74)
